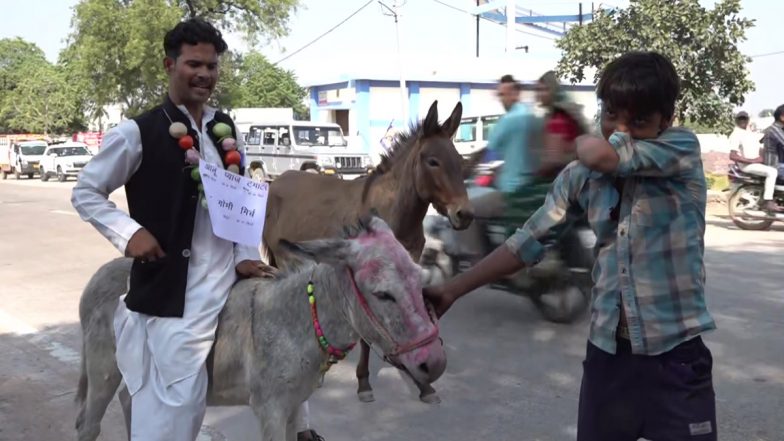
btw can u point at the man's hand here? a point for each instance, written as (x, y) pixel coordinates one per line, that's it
(440, 298)
(256, 268)
(144, 246)
(596, 153)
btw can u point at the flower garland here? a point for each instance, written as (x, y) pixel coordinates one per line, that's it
(223, 133)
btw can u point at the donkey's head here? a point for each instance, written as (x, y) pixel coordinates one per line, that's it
(438, 175)
(383, 300)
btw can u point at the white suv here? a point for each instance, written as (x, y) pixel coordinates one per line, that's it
(64, 160)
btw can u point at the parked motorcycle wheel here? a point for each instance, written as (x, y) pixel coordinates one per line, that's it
(742, 198)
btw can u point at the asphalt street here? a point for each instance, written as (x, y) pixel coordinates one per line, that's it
(510, 375)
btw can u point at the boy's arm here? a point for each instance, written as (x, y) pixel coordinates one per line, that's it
(673, 153)
(523, 248)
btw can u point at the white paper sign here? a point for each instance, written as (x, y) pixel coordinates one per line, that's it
(237, 205)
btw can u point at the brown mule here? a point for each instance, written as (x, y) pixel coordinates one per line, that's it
(422, 168)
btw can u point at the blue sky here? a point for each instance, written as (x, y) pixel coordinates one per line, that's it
(427, 27)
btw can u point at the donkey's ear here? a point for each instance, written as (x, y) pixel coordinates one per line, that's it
(450, 126)
(430, 126)
(321, 250)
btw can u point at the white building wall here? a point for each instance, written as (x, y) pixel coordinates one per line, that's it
(447, 100)
(385, 102)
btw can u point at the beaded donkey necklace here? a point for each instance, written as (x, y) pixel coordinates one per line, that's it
(334, 353)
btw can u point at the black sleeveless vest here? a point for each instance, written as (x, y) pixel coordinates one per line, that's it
(163, 198)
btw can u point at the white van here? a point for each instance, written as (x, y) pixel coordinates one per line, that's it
(473, 133)
(26, 158)
(302, 145)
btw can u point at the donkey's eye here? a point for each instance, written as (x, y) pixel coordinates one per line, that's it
(384, 296)
(433, 162)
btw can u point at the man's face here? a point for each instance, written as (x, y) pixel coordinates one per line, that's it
(543, 94)
(193, 75)
(647, 127)
(743, 123)
(508, 94)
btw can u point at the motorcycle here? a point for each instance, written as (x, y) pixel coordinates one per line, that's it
(745, 200)
(559, 286)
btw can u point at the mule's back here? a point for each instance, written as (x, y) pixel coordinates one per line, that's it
(306, 206)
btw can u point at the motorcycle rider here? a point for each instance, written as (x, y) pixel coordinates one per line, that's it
(511, 141)
(773, 141)
(751, 159)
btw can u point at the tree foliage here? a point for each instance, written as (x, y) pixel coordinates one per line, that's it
(35, 95)
(702, 44)
(115, 51)
(765, 113)
(259, 83)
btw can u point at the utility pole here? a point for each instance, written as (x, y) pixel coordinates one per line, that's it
(394, 11)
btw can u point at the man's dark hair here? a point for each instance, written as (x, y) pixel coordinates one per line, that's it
(641, 83)
(509, 79)
(193, 32)
(778, 112)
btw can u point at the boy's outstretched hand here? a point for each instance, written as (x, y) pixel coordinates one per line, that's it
(439, 297)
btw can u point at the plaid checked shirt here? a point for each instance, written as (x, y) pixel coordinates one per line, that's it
(651, 256)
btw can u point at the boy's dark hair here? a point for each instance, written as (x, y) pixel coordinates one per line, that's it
(778, 112)
(507, 79)
(640, 83)
(193, 32)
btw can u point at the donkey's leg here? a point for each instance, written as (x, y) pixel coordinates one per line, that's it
(364, 391)
(125, 402)
(272, 417)
(103, 380)
(427, 394)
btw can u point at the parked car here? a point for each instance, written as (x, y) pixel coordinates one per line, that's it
(26, 157)
(303, 145)
(64, 160)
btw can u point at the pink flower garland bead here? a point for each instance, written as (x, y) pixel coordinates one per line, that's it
(229, 144)
(192, 156)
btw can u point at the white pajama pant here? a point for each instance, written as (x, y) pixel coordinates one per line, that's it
(769, 173)
(178, 416)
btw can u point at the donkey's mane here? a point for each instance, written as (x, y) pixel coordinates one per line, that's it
(402, 143)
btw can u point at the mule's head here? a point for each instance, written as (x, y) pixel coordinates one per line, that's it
(384, 301)
(438, 175)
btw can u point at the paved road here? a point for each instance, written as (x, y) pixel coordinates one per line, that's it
(510, 375)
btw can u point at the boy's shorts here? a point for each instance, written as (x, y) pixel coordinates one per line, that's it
(666, 397)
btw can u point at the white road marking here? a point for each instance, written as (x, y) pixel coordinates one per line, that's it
(11, 324)
(68, 213)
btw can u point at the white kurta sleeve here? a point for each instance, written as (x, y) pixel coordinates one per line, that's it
(244, 252)
(118, 159)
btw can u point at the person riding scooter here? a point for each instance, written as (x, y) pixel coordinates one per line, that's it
(751, 159)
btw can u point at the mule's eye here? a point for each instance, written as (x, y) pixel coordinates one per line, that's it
(384, 296)
(433, 162)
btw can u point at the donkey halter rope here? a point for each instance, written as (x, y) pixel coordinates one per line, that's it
(399, 348)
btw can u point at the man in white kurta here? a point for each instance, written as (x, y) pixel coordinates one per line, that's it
(162, 359)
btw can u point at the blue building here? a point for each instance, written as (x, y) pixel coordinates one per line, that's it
(366, 108)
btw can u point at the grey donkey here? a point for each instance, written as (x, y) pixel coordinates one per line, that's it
(266, 352)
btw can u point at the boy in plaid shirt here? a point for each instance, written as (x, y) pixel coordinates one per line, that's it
(647, 372)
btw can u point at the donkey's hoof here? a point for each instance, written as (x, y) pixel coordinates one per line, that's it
(366, 396)
(430, 398)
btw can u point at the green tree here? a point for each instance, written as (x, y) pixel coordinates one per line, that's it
(115, 50)
(44, 100)
(259, 83)
(17, 58)
(702, 44)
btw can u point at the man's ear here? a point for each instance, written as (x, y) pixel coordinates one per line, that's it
(168, 64)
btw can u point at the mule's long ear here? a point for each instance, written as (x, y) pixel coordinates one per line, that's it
(321, 250)
(430, 126)
(450, 126)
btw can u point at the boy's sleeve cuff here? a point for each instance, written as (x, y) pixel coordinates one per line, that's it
(525, 247)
